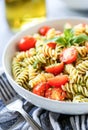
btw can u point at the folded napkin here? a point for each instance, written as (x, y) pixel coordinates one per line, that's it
(48, 120)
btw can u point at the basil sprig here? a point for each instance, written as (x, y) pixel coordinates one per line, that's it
(68, 38)
(80, 38)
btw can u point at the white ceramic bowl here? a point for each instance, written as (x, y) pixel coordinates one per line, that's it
(51, 105)
(77, 4)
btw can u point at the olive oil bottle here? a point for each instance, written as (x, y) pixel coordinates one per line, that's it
(22, 13)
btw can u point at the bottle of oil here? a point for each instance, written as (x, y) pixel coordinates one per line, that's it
(22, 13)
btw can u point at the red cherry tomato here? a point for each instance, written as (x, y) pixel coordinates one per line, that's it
(68, 55)
(43, 30)
(57, 81)
(41, 88)
(55, 69)
(55, 94)
(26, 43)
(52, 45)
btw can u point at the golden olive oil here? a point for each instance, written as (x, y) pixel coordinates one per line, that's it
(22, 13)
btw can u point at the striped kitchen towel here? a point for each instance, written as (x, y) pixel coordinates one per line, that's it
(48, 120)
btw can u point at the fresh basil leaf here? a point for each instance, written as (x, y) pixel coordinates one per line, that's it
(51, 40)
(58, 40)
(68, 38)
(61, 40)
(80, 38)
(68, 33)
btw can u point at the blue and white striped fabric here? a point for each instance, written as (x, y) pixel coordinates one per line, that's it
(48, 120)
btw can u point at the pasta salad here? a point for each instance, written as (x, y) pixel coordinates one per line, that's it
(53, 63)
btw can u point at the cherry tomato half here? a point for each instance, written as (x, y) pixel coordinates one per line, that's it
(51, 45)
(55, 94)
(55, 69)
(26, 43)
(41, 88)
(57, 81)
(43, 30)
(68, 55)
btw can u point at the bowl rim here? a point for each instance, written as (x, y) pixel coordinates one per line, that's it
(19, 34)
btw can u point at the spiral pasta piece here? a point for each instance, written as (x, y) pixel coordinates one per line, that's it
(83, 51)
(86, 79)
(82, 67)
(80, 98)
(25, 54)
(85, 58)
(58, 49)
(37, 36)
(50, 61)
(20, 56)
(80, 60)
(79, 29)
(49, 52)
(75, 89)
(30, 61)
(69, 68)
(32, 72)
(23, 78)
(74, 76)
(40, 78)
(32, 52)
(51, 33)
(16, 68)
(39, 43)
